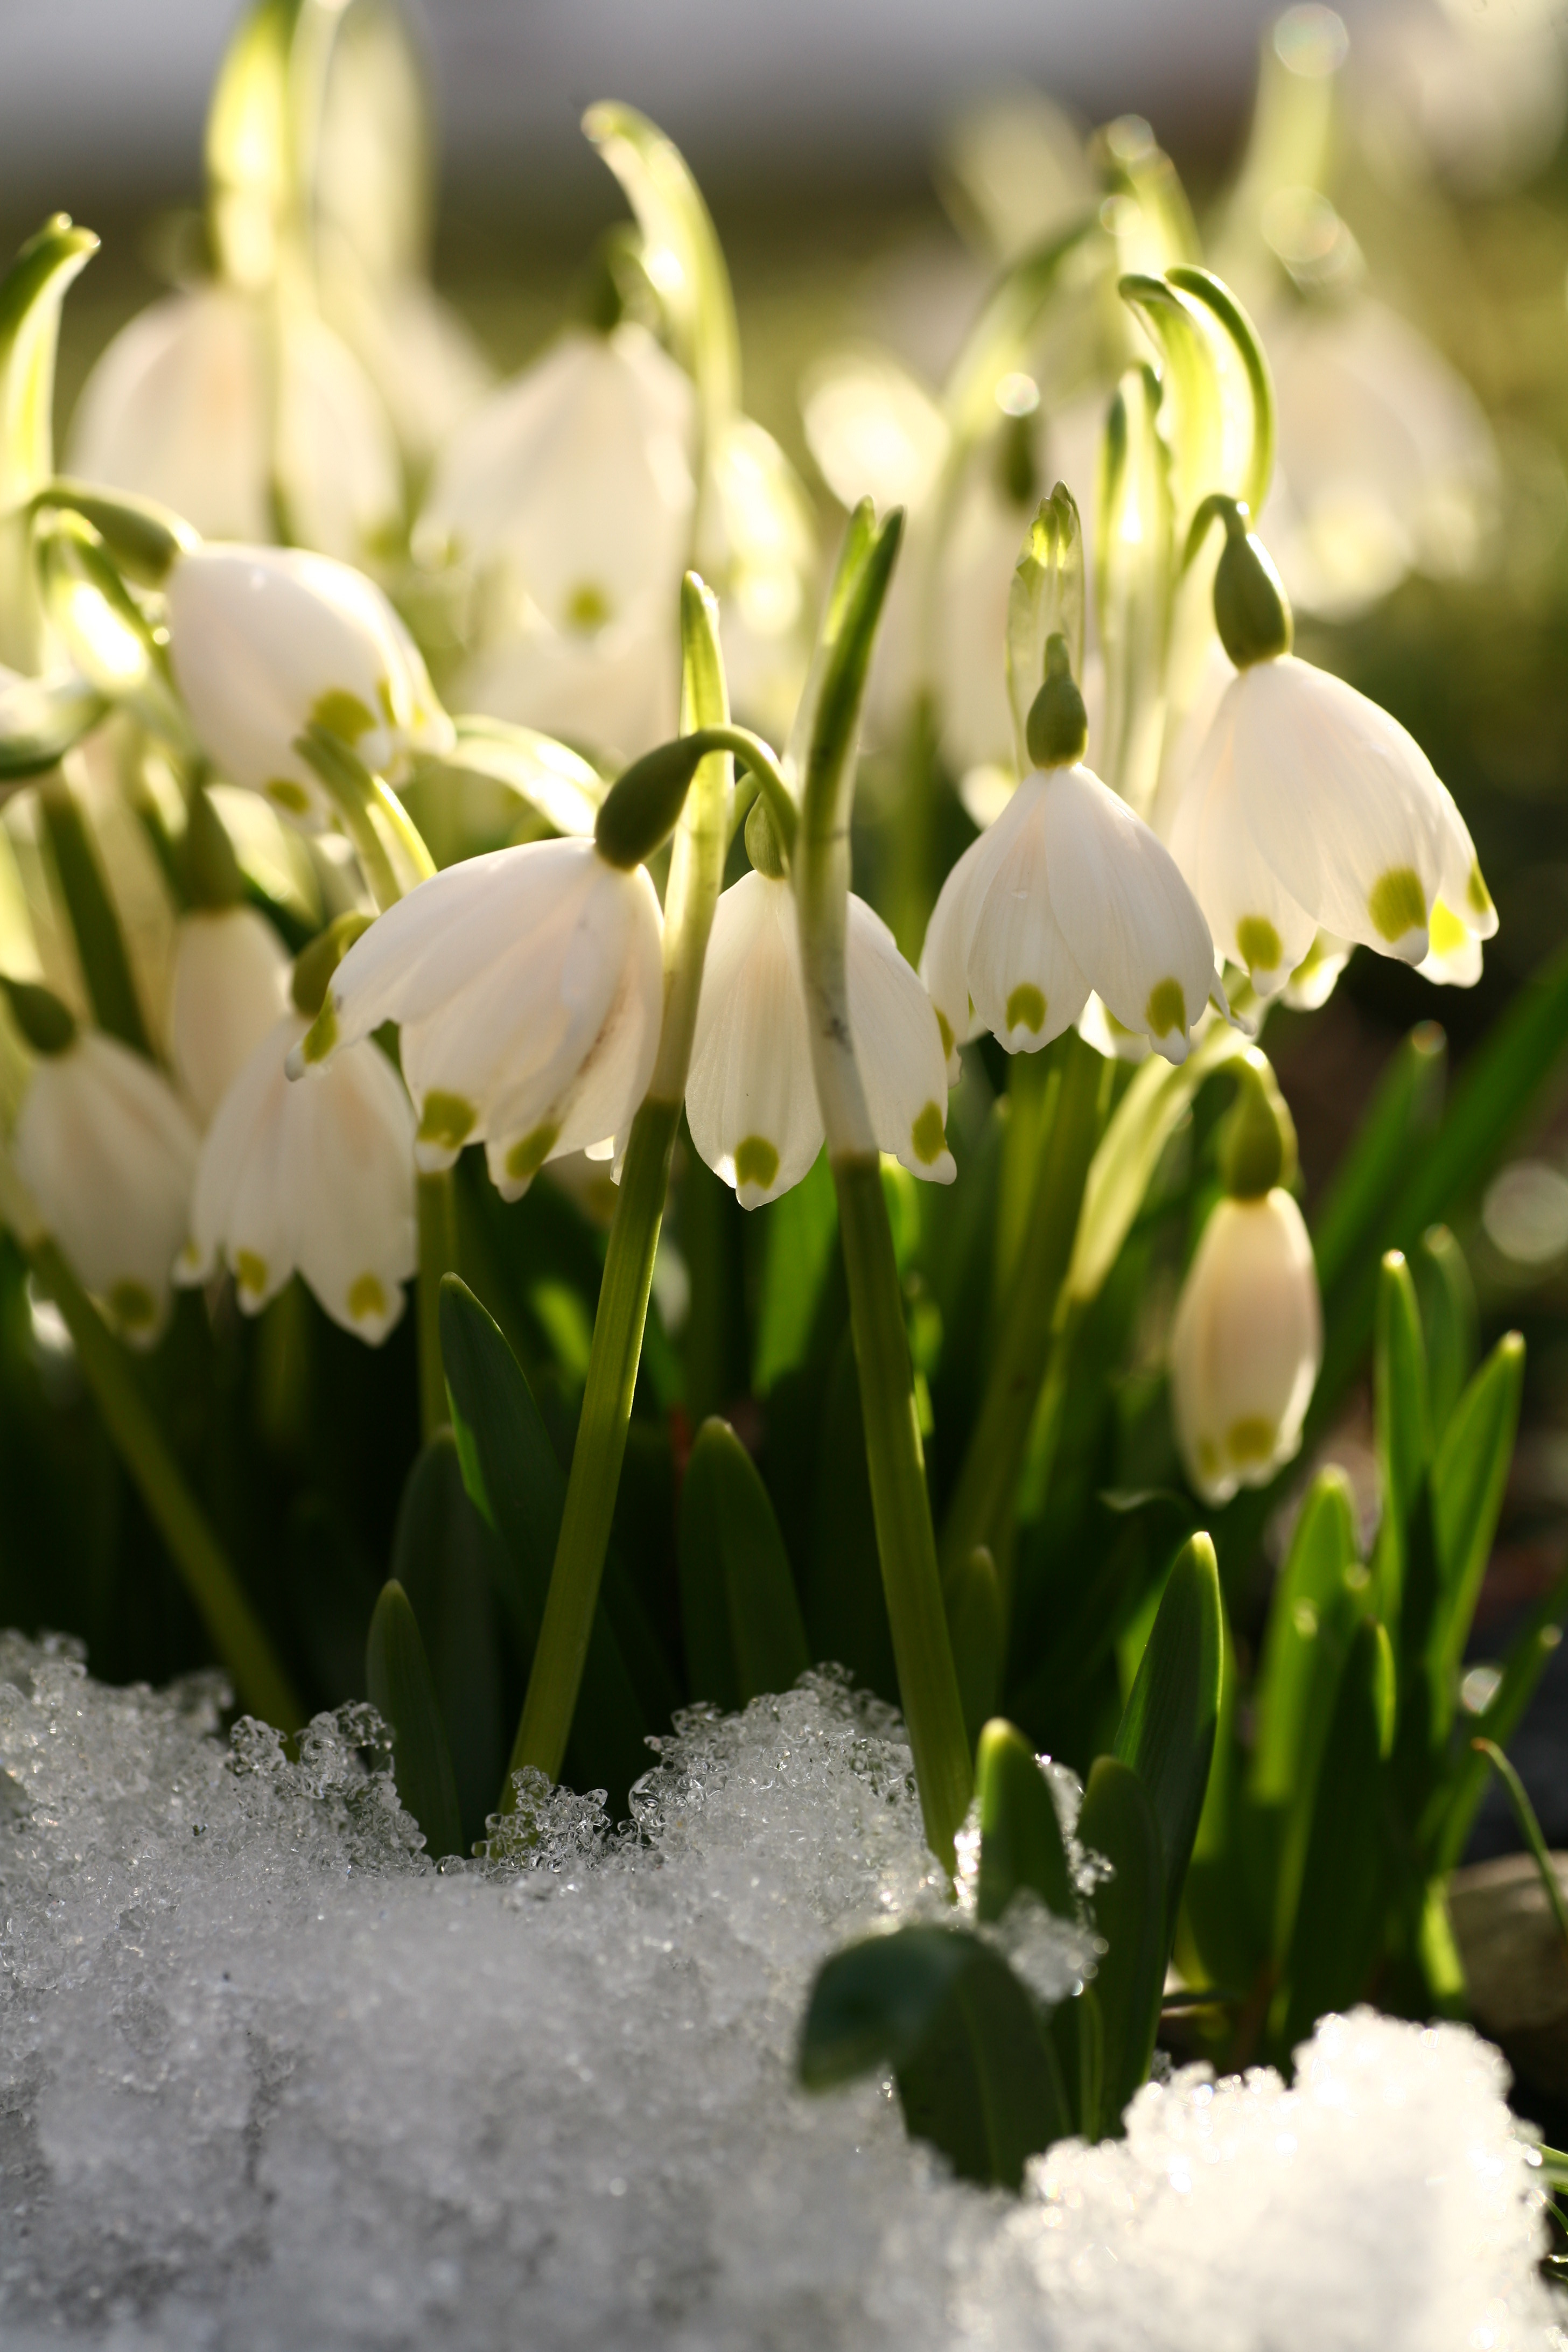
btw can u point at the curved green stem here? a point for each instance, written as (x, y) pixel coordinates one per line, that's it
(261, 1684)
(361, 799)
(760, 764)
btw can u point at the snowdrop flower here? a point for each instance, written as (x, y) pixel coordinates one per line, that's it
(751, 1096)
(1247, 1336)
(570, 493)
(1309, 808)
(108, 1151)
(1068, 892)
(229, 986)
(267, 641)
(530, 988)
(210, 403)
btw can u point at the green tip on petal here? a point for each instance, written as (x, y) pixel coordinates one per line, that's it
(1251, 610)
(313, 970)
(447, 1120)
(1166, 1009)
(756, 1162)
(367, 1297)
(1397, 904)
(1025, 1008)
(1259, 944)
(527, 1157)
(1058, 729)
(48, 1024)
(929, 1135)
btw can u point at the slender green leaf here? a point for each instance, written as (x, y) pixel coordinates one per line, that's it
(1446, 1297)
(1118, 1823)
(1450, 1814)
(846, 1612)
(1191, 405)
(397, 1677)
(1201, 285)
(1524, 1814)
(1167, 1729)
(799, 1233)
(738, 1609)
(1304, 1642)
(1468, 1482)
(1404, 1426)
(31, 293)
(1351, 1218)
(443, 1556)
(999, 342)
(95, 925)
(1133, 583)
(1021, 1842)
(976, 1627)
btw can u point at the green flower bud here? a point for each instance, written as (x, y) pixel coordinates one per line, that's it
(48, 1026)
(1258, 1141)
(314, 965)
(1251, 610)
(763, 845)
(642, 807)
(212, 875)
(1058, 730)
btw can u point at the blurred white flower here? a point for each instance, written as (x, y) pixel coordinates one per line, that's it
(230, 984)
(1068, 891)
(1245, 1345)
(1310, 808)
(760, 547)
(109, 1151)
(751, 1096)
(221, 406)
(266, 641)
(318, 1179)
(568, 493)
(528, 985)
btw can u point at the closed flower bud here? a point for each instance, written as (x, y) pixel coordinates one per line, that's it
(1066, 893)
(318, 1180)
(1309, 809)
(268, 641)
(228, 989)
(1245, 1345)
(528, 985)
(108, 1151)
(751, 1096)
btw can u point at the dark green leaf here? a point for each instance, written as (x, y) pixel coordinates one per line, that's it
(740, 1614)
(1020, 1837)
(1118, 1823)
(1468, 1482)
(1404, 1426)
(443, 1556)
(976, 1627)
(1353, 1216)
(1167, 1731)
(397, 1675)
(1304, 1642)
(845, 1614)
(799, 1233)
(1448, 1316)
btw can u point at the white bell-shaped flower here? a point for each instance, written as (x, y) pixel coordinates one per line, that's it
(316, 1179)
(1068, 891)
(751, 1096)
(267, 641)
(569, 493)
(230, 984)
(528, 985)
(213, 403)
(1245, 1345)
(1309, 808)
(108, 1153)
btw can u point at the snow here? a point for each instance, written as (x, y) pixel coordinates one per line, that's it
(268, 2079)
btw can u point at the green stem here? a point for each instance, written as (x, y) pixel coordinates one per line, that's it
(1524, 1813)
(438, 1256)
(928, 1681)
(601, 1445)
(101, 942)
(366, 805)
(981, 1502)
(259, 1682)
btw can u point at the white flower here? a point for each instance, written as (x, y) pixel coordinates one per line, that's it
(267, 640)
(1245, 1345)
(569, 492)
(750, 1097)
(210, 402)
(530, 988)
(108, 1151)
(230, 984)
(1067, 892)
(316, 1178)
(1308, 809)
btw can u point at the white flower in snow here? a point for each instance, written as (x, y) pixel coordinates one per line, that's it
(316, 1178)
(751, 1096)
(266, 641)
(1067, 892)
(213, 403)
(569, 492)
(230, 983)
(1245, 1345)
(108, 1151)
(1309, 809)
(528, 985)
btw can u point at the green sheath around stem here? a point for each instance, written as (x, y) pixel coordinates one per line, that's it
(259, 1682)
(601, 1444)
(928, 1682)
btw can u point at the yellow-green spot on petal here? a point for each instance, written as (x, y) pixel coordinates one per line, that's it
(250, 1272)
(1397, 903)
(1026, 1008)
(448, 1120)
(756, 1162)
(1251, 1439)
(322, 1036)
(929, 1135)
(342, 714)
(1448, 933)
(1208, 1456)
(1166, 1009)
(1258, 943)
(134, 1306)
(366, 1296)
(587, 608)
(943, 1030)
(528, 1156)
(383, 701)
(288, 795)
(1476, 891)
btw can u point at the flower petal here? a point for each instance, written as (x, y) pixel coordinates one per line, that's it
(1255, 921)
(897, 1048)
(750, 1097)
(349, 1175)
